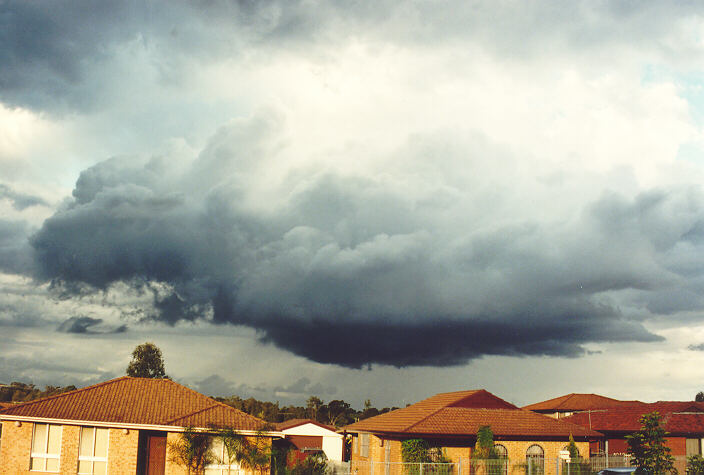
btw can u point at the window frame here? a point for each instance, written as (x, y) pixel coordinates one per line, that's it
(536, 460)
(224, 468)
(92, 458)
(45, 455)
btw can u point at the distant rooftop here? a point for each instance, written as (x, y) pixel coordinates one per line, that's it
(462, 413)
(577, 402)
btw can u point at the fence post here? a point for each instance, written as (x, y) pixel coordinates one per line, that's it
(421, 468)
(371, 467)
(459, 471)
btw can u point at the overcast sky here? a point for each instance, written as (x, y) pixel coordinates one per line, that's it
(355, 200)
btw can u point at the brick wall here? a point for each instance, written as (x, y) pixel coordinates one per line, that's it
(17, 446)
(122, 451)
(70, 438)
(15, 449)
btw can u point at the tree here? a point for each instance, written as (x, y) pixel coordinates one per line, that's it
(699, 397)
(313, 405)
(236, 447)
(572, 449)
(484, 448)
(192, 450)
(146, 362)
(695, 464)
(647, 446)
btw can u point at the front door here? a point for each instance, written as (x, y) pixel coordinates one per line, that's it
(152, 453)
(156, 455)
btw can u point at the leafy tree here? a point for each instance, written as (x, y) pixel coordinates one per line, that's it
(338, 413)
(484, 448)
(572, 449)
(415, 451)
(192, 451)
(647, 446)
(695, 464)
(147, 362)
(235, 445)
(313, 405)
(699, 397)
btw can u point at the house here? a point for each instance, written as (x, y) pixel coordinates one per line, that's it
(682, 420)
(122, 426)
(568, 404)
(450, 422)
(310, 436)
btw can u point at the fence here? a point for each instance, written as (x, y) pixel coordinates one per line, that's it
(467, 466)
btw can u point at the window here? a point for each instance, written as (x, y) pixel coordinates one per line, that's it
(222, 465)
(364, 442)
(93, 451)
(692, 447)
(500, 465)
(535, 459)
(46, 448)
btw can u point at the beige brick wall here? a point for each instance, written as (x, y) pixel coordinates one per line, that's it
(70, 438)
(17, 446)
(122, 451)
(15, 449)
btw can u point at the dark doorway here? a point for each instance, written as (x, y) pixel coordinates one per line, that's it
(151, 453)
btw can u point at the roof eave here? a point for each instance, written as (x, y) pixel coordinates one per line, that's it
(123, 425)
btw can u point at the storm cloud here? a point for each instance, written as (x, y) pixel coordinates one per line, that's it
(352, 270)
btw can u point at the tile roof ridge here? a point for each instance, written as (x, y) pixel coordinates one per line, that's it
(192, 413)
(69, 393)
(445, 406)
(215, 403)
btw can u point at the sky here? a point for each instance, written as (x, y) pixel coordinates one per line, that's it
(355, 200)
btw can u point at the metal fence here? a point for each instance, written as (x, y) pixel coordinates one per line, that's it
(467, 466)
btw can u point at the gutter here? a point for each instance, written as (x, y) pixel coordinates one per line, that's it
(121, 425)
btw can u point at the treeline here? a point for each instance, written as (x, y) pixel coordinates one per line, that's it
(335, 413)
(21, 392)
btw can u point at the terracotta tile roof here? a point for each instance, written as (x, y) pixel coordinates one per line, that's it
(144, 401)
(678, 417)
(291, 423)
(463, 413)
(577, 402)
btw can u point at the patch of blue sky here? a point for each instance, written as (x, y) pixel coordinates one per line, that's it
(690, 86)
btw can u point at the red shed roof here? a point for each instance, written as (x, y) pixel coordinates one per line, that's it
(463, 413)
(139, 401)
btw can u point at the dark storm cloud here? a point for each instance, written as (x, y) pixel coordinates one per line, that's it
(356, 270)
(88, 325)
(15, 254)
(20, 201)
(58, 55)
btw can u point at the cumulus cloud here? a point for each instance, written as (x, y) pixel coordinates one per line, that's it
(64, 55)
(350, 269)
(20, 201)
(427, 186)
(82, 325)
